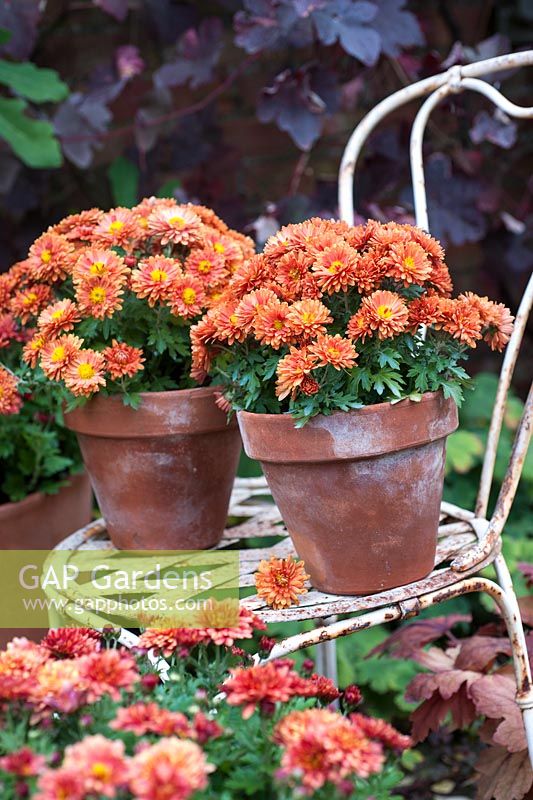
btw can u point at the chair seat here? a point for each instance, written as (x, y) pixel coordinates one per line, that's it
(253, 515)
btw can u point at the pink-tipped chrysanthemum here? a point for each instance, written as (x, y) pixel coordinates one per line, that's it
(175, 225)
(10, 399)
(188, 296)
(58, 354)
(95, 263)
(50, 258)
(172, 769)
(155, 278)
(334, 350)
(58, 318)
(86, 373)
(292, 370)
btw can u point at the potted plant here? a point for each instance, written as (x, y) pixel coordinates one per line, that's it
(340, 347)
(87, 719)
(44, 493)
(125, 287)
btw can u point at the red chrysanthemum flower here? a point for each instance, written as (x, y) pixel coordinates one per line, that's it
(97, 263)
(308, 318)
(323, 688)
(58, 318)
(29, 302)
(247, 309)
(272, 325)
(116, 228)
(86, 373)
(100, 762)
(351, 696)
(382, 731)
(309, 386)
(280, 581)
(50, 258)
(122, 360)
(292, 369)
(60, 784)
(72, 642)
(23, 763)
(334, 350)
(335, 268)
(385, 313)
(58, 354)
(156, 278)
(143, 718)
(187, 298)
(263, 685)
(408, 262)
(175, 225)
(462, 320)
(10, 399)
(208, 265)
(172, 769)
(107, 672)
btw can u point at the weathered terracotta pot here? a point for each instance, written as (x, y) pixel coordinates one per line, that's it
(163, 473)
(39, 522)
(359, 491)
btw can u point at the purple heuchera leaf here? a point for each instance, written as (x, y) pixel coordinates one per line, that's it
(269, 24)
(80, 119)
(397, 27)
(496, 128)
(20, 18)
(348, 22)
(116, 8)
(453, 214)
(298, 102)
(198, 53)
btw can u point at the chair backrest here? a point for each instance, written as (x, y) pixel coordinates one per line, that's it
(455, 80)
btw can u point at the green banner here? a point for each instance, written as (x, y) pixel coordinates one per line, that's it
(119, 588)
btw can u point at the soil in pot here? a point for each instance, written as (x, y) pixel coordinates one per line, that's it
(359, 491)
(162, 473)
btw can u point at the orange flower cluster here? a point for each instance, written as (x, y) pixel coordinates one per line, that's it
(386, 279)
(321, 746)
(30, 672)
(90, 264)
(265, 685)
(150, 718)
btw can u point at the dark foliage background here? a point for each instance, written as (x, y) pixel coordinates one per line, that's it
(246, 106)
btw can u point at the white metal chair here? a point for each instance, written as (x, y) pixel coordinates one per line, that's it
(468, 541)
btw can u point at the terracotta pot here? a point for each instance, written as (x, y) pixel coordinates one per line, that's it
(39, 522)
(359, 491)
(163, 473)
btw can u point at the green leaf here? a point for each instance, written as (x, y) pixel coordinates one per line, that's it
(34, 83)
(5, 35)
(464, 451)
(169, 187)
(32, 140)
(124, 179)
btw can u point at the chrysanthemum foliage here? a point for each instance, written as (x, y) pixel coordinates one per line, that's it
(331, 317)
(111, 296)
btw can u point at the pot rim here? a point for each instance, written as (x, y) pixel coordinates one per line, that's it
(36, 497)
(349, 435)
(174, 412)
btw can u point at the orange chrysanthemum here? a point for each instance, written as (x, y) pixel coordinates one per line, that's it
(172, 764)
(116, 228)
(99, 297)
(246, 311)
(272, 325)
(9, 331)
(308, 318)
(280, 581)
(167, 641)
(108, 672)
(175, 225)
(253, 274)
(188, 296)
(29, 302)
(264, 685)
(79, 227)
(292, 369)
(294, 276)
(122, 360)
(425, 310)
(143, 718)
(224, 623)
(32, 350)
(440, 278)
(100, 762)
(10, 399)
(334, 350)
(58, 318)
(86, 373)
(462, 320)
(207, 264)
(58, 354)
(155, 278)
(226, 323)
(496, 320)
(408, 262)
(97, 263)
(384, 313)
(50, 257)
(335, 268)
(382, 731)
